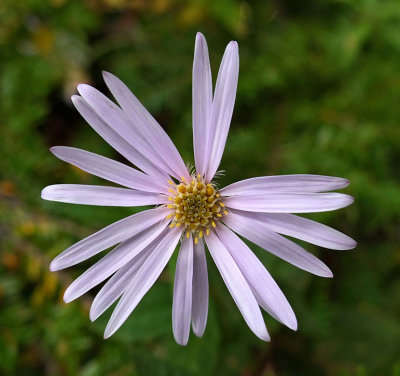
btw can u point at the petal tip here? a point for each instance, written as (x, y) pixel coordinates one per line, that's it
(233, 45)
(200, 36)
(83, 89)
(53, 267)
(92, 315)
(67, 297)
(198, 332)
(292, 324)
(328, 275)
(265, 337)
(44, 193)
(108, 332)
(181, 341)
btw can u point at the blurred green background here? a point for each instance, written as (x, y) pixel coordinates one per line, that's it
(319, 92)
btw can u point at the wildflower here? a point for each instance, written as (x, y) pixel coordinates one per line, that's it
(189, 209)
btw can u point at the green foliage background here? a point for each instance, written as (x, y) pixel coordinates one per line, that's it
(319, 92)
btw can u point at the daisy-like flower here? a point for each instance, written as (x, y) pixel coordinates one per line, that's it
(190, 211)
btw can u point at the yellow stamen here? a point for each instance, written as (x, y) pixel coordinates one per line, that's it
(196, 206)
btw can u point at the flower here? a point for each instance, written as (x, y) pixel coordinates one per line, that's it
(189, 209)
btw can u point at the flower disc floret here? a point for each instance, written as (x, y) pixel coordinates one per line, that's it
(197, 206)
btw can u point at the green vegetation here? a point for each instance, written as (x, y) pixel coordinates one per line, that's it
(319, 92)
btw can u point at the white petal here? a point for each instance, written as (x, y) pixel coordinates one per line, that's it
(143, 280)
(222, 107)
(269, 295)
(237, 286)
(182, 301)
(108, 169)
(111, 262)
(276, 244)
(284, 183)
(108, 237)
(115, 140)
(118, 283)
(302, 228)
(117, 120)
(100, 195)
(202, 103)
(145, 125)
(200, 290)
(290, 202)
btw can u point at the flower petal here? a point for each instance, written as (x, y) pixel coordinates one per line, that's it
(237, 286)
(118, 283)
(302, 228)
(182, 300)
(276, 244)
(269, 295)
(284, 183)
(202, 103)
(143, 280)
(147, 127)
(100, 195)
(115, 140)
(108, 237)
(290, 202)
(116, 118)
(222, 107)
(200, 290)
(111, 262)
(108, 169)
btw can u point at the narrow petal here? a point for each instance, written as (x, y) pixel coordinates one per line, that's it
(302, 228)
(237, 286)
(200, 290)
(285, 183)
(108, 169)
(267, 292)
(145, 125)
(99, 195)
(222, 107)
(182, 300)
(108, 237)
(111, 262)
(143, 280)
(202, 103)
(115, 140)
(290, 202)
(118, 121)
(276, 244)
(118, 283)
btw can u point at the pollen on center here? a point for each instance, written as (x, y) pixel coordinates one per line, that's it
(197, 206)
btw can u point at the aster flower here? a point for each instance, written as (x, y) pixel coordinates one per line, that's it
(190, 212)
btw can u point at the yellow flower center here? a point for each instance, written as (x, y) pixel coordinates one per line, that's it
(197, 206)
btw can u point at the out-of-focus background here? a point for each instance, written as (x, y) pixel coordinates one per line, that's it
(319, 92)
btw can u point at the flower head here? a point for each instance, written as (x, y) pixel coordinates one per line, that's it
(190, 211)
